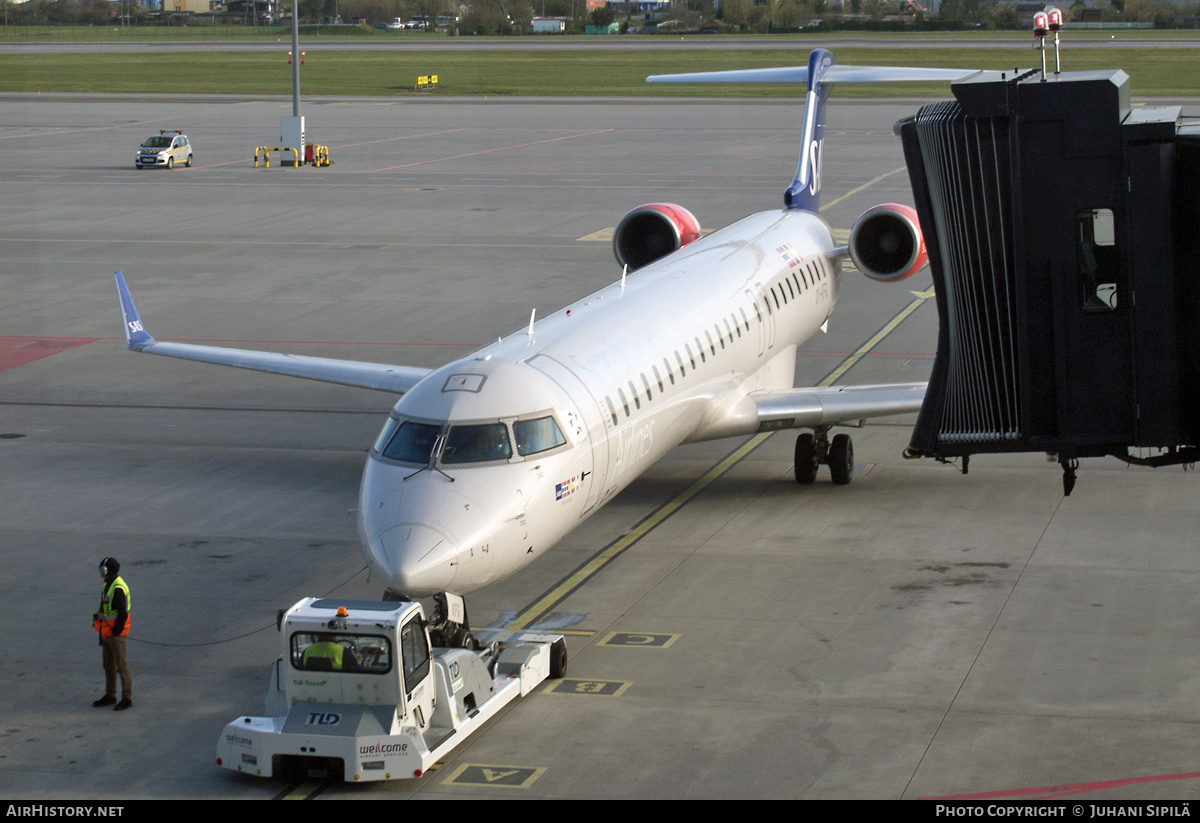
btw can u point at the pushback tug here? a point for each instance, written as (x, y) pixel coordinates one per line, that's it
(377, 691)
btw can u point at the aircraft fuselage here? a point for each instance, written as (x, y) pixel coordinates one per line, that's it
(490, 460)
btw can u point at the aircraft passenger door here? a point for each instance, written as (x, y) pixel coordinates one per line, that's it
(593, 420)
(764, 316)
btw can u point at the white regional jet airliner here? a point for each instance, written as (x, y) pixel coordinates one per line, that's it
(487, 462)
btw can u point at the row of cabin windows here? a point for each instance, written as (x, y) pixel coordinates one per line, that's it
(809, 275)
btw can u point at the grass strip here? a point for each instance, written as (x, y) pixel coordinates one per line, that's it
(1153, 72)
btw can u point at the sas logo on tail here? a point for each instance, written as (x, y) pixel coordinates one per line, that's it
(566, 488)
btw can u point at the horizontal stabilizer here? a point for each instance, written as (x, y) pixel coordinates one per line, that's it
(380, 376)
(835, 74)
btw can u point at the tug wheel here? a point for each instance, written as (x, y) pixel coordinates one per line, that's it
(558, 658)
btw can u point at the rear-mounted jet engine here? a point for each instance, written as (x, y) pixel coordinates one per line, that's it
(653, 231)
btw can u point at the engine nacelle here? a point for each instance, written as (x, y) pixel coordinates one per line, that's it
(653, 231)
(886, 243)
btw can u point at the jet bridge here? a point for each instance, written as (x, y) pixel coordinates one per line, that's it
(1063, 232)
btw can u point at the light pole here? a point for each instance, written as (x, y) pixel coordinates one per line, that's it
(295, 59)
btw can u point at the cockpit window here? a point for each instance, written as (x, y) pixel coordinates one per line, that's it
(389, 428)
(483, 443)
(539, 435)
(412, 443)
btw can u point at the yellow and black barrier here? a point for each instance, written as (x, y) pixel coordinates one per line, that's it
(266, 152)
(427, 81)
(318, 157)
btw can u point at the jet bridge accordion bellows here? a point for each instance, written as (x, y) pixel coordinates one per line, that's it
(966, 161)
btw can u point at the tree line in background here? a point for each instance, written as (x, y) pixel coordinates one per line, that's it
(492, 17)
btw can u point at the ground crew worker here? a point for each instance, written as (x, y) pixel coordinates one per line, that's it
(112, 622)
(338, 657)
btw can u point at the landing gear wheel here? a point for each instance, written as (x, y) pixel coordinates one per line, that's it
(806, 458)
(841, 459)
(558, 658)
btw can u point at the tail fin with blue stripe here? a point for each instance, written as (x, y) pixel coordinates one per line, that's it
(819, 75)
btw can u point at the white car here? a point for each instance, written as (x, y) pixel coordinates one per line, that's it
(164, 149)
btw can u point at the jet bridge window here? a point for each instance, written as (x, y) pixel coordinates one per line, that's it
(412, 442)
(1097, 259)
(542, 434)
(484, 443)
(341, 652)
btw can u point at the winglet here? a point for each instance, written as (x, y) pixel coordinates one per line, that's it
(136, 337)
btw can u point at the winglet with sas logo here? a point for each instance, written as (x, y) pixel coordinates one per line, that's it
(136, 337)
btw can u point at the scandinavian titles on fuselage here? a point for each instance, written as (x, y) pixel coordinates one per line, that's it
(633, 444)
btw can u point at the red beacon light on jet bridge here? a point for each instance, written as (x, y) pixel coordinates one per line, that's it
(1041, 24)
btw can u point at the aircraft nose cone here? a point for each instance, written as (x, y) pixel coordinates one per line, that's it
(416, 560)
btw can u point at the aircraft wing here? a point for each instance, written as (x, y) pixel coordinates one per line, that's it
(826, 405)
(380, 376)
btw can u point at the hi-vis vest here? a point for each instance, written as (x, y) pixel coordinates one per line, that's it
(107, 613)
(332, 652)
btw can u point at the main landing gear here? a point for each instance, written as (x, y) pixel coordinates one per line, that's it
(814, 449)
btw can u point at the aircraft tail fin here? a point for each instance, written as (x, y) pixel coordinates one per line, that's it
(819, 76)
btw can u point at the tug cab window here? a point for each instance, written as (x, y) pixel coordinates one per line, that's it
(414, 649)
(341, 652)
